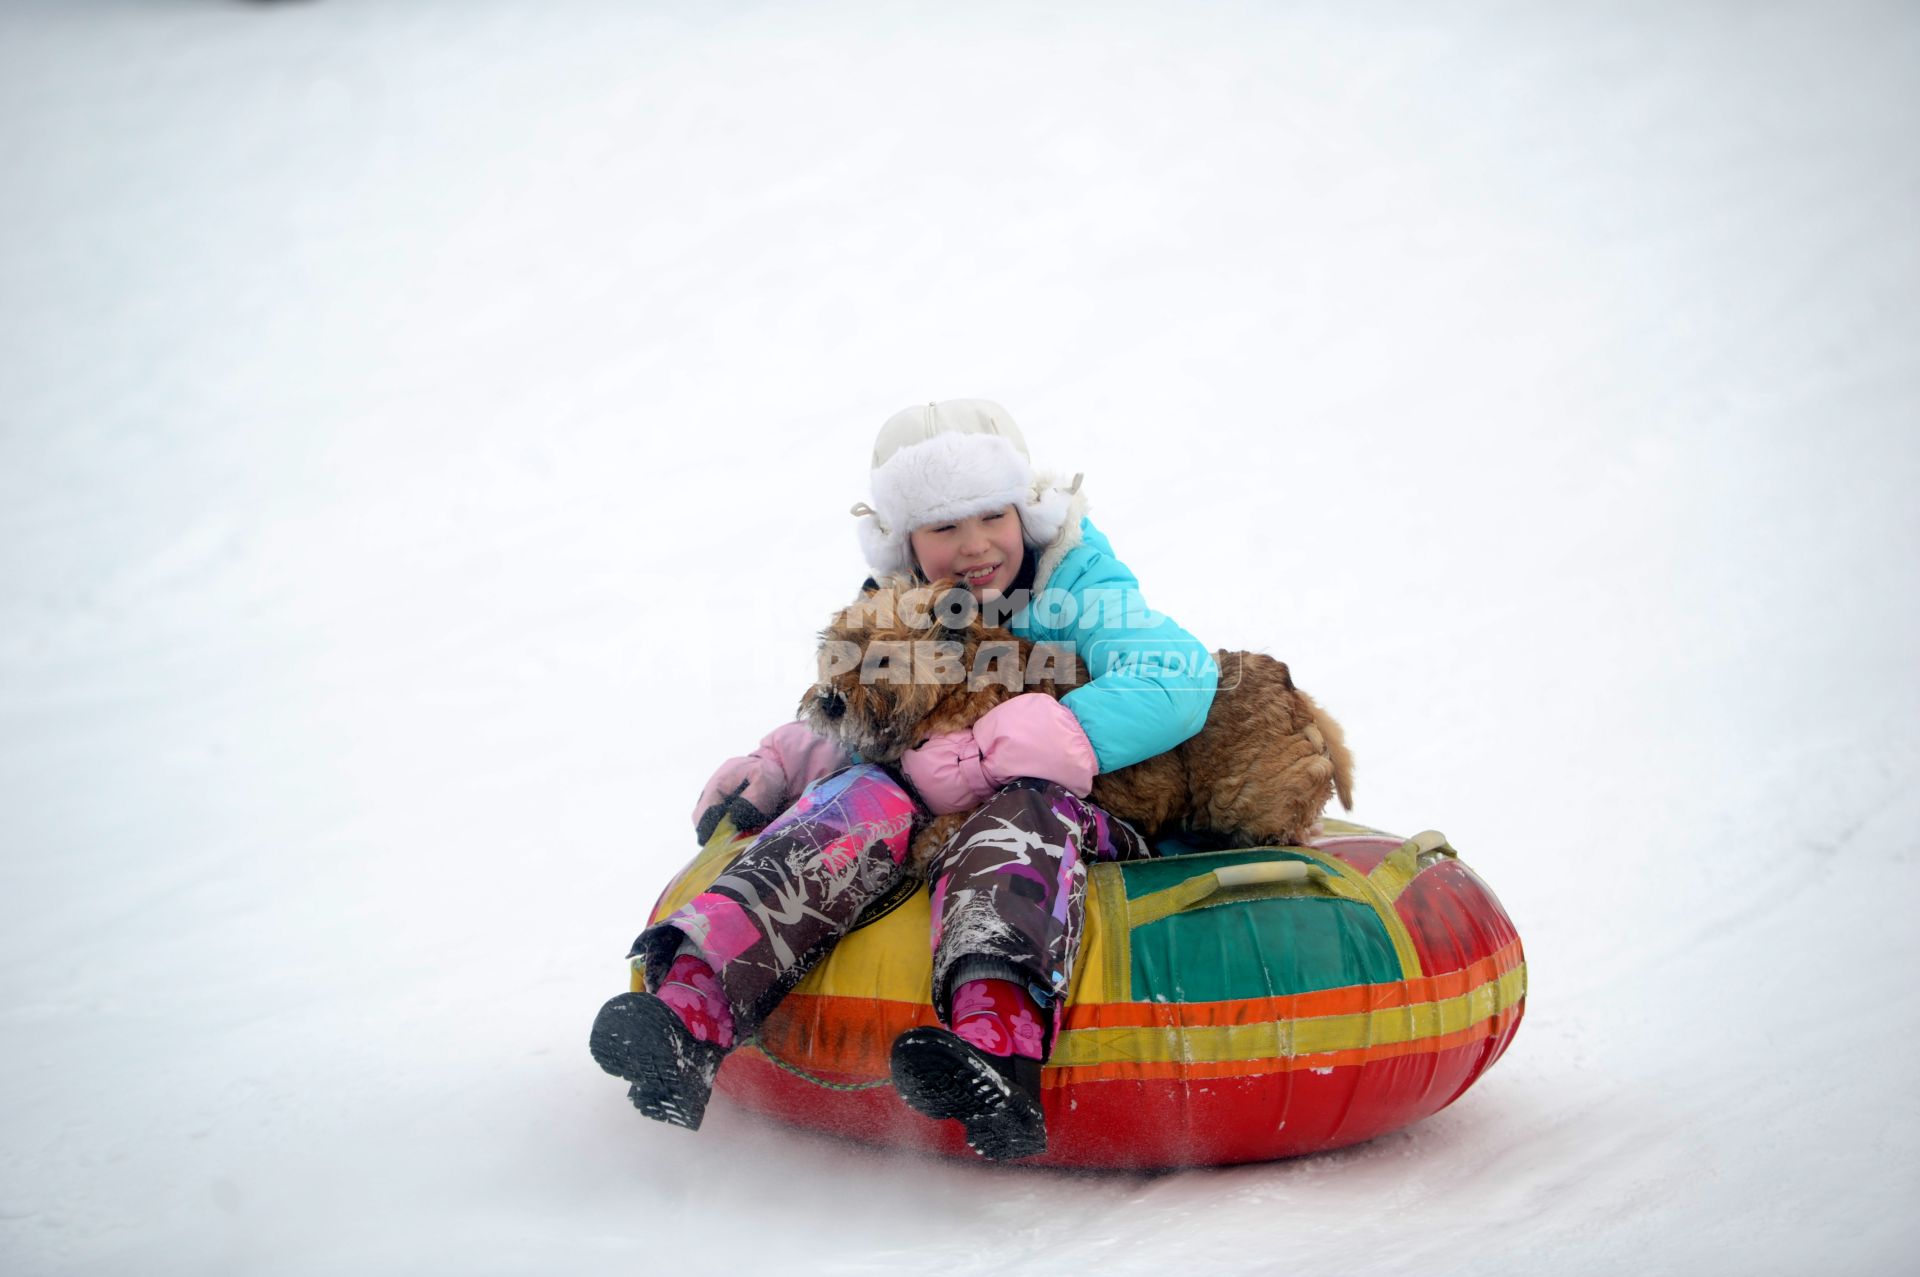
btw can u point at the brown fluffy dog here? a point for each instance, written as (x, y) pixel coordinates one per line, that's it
(904, 662)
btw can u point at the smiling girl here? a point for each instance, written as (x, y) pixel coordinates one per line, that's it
(983, 551)
(954, 495)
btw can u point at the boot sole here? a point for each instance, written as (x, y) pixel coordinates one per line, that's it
(939, 1077)
(638, 1037)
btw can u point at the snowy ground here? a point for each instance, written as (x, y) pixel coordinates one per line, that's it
(391, 394)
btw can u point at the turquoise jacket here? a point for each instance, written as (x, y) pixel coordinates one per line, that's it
(1152, 681)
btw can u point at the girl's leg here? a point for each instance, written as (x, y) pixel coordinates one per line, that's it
(718, 965)
(777, 909)
(1009, 899)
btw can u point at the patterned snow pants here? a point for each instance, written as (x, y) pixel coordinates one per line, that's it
(1009, 891)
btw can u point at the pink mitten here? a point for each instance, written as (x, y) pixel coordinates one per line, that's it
(1030, 735)
(756, 787)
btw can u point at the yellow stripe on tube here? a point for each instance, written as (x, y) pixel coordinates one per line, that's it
(1279, 1039)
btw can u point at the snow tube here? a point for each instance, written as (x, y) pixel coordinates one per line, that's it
(1228, 1006)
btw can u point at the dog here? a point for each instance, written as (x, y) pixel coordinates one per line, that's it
(906, 662)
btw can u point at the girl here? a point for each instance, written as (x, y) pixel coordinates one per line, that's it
(953, 495)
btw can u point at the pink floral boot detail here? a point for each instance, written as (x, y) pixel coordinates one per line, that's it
(999, 1017)
(693, 991)
(984, 1072)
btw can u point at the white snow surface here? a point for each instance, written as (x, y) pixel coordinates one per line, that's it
(426, 437)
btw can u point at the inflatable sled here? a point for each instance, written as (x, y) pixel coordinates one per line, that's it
(1228, 1006)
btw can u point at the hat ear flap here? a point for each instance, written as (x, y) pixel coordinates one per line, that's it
(1042, 515)
(886, 553)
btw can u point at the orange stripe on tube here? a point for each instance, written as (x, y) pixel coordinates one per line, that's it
(1196, 1070)
(1351, 1000)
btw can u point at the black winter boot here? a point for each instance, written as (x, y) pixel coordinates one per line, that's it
(996, 1097)
(636, 1036)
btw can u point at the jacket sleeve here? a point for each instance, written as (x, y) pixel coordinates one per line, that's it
(1152, 682)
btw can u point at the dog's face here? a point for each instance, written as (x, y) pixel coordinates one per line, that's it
(902, 654)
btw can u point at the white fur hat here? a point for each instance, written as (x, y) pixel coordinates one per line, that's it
(942, 461)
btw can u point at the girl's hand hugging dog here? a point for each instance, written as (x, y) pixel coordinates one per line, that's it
(1031, 735)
